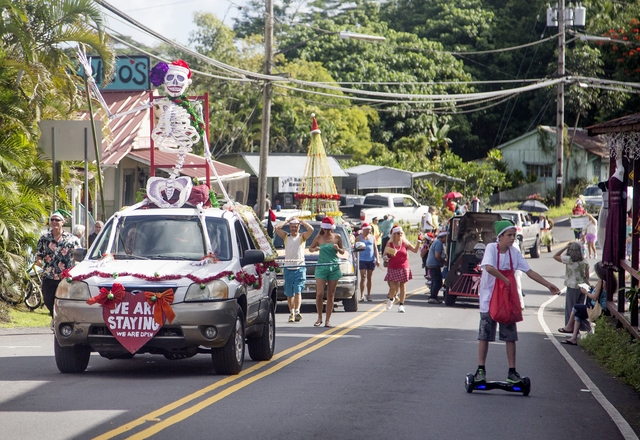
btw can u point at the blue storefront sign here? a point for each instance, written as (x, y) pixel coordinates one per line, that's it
(132, 73)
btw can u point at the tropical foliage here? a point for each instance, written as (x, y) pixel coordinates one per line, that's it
(36, 83)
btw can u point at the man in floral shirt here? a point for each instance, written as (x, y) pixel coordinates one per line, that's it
(55, 255)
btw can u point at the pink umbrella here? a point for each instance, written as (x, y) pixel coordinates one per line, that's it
(452, 195)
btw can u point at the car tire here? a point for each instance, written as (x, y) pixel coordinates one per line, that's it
(230, 358)
(449, 300)
(351, 304)
(535, 250)
(263, 347)
(72, 359)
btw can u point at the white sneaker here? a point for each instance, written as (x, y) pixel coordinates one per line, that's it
(401, 309)
(389, 304)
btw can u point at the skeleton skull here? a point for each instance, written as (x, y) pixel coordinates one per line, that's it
(176, 80)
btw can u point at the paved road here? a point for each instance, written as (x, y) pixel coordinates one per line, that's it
(378, 375)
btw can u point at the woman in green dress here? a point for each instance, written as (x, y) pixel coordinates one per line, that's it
(328, 244)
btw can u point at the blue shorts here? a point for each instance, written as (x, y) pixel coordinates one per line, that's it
(367, 265)
(294, 280)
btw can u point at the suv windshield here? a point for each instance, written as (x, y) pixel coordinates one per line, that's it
(279, 242)
(512, 217)
(592, 191)
(164, 238)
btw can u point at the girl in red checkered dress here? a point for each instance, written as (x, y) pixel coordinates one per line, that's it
(398, 270)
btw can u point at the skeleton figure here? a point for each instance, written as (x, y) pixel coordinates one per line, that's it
(175, 132)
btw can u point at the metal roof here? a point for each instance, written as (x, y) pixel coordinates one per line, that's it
(288, 165)
(376, 176)
(125, 131)
(436, 176)
(225, 171)
(623, 124)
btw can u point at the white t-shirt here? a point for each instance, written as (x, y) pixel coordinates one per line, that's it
(294, 250)
(591, 228)
(426, 226)
(488, 281)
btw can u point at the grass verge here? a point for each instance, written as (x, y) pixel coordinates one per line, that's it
(20, 316)
(616, 350)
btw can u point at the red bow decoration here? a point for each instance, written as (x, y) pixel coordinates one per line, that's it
(163, 302)
(65, 274)
(117, 294)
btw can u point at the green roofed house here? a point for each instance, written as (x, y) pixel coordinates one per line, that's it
(534, 154)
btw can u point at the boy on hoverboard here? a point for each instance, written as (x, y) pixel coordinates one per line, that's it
(510, 259)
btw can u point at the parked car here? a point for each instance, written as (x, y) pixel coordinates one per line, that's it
(592, 196)
(220, 301)
(467, 238)
(347, 284)
(404, 208)
(528, 232)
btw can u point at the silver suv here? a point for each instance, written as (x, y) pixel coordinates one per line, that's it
(346, 288)
(592, 196)
(174, 282)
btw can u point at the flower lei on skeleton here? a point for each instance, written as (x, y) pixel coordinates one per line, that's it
(195, 119)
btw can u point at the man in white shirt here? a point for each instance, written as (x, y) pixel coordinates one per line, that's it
(294, 278)
(427, 222)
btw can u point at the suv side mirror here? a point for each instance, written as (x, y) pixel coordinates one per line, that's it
(252, 256)
(358, 246)
(527, 223)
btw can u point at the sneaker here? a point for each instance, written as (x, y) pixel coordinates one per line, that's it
(401, 308)
(480, 376)
(434, 301)
(292, 318)
(389, 304)
(514, 377)
(298, 317)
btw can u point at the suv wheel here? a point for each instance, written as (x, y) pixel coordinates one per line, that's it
(262, 348)
(351, 304)
(449, 300)
(535, 250)
(71, 359)
(230, 358)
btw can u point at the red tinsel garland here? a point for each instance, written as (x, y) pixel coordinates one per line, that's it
(317, 196)
(241, 276)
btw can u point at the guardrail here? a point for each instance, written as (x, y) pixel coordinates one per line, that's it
(617, 308)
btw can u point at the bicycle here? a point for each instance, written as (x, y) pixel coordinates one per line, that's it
(27, 290)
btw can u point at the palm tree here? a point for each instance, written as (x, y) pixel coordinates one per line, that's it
(36, 82)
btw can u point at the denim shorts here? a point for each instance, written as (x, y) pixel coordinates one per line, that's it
(367, 265)
(508, 332)
(294, 280)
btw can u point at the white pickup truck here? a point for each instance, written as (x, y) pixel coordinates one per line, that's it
(403, 207)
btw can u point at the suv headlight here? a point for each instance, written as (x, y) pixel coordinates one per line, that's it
(213, 290)
(73, 290)
(346, 268)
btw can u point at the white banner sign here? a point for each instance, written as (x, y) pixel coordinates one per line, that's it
(289, 184)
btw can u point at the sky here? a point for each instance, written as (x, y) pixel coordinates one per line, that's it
(172, 18)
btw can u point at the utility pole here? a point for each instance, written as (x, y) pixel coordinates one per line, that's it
(560, 105)
(266, 108)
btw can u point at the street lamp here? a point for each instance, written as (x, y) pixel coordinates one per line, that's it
(559, 17)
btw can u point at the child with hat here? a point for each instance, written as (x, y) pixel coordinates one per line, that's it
(498, 259)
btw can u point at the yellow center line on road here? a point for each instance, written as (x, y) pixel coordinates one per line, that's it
(341, 329)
